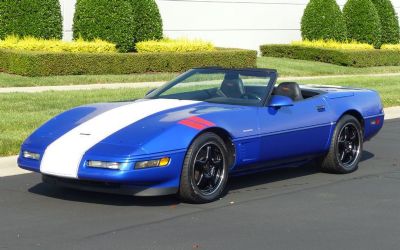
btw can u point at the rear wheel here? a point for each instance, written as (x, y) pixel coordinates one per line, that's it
(205, 170)
(346, 147)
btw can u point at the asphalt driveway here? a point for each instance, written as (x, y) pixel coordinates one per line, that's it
(297, 208)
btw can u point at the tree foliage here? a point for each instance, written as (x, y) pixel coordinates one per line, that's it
(41, 19)
(389, 21)
(323, 19)
(362, 21)
(109, 20)
(147, 20)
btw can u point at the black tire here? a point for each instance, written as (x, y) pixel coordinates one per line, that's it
(198, 170)
(346, 147)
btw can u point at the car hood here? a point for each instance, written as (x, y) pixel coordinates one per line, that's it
(144, 126)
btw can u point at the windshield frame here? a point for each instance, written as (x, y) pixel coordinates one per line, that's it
(267, 73)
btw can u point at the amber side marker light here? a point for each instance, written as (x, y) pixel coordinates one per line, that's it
(153, 163)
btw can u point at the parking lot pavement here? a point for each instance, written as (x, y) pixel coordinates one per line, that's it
(298, 208)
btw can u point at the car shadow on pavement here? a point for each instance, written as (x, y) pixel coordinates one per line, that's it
(235, 184)
(101, 198)
(366, 155)
(269, 176)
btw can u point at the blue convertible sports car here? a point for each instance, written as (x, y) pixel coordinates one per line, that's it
(188, 136)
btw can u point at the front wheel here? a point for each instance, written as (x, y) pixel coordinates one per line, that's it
(205, 170)
(346, 147)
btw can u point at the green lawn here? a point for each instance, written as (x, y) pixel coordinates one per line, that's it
(286, 67)
(292, 67)
(21, 113)
(388, 86)
(7, 80)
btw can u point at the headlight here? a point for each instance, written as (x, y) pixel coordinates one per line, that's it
(31, 155)
(105, 164)
(152, 163)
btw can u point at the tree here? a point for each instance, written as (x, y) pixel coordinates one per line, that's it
(147, 20)
(389, 21)
(109, 20)
(323, 19)
(362, 21)
(35, 18)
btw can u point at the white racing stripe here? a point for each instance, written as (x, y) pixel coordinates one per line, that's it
(64, 155)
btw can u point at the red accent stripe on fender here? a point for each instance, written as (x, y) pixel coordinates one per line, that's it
(201, 120)
(192, 124)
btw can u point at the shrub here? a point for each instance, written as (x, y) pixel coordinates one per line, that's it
(362, 21)
(147, 20)
(171, 45)
(389, 21)
(31, 18)
(109, 20)
(353, 45)
(46, 63)
(391, 47)
(53, 45)
(323, 19)
(355, 58)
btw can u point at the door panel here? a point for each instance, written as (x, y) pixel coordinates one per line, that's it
(290, 132)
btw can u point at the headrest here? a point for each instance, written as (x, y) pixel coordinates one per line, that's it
(289, 89)
(232, 85)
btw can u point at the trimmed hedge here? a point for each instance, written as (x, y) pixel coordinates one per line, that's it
(355, 58)
(391, 47)
(107, 20)
(47, 64)
(37, 18)
(362, 21)
(174, 45)
(53, 45)
(352, 45)
(324, 20)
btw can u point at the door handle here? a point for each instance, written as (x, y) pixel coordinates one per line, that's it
(320, 108)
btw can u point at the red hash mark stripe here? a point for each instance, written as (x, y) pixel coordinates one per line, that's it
(191, 124)
(196, 123)
(201, 121)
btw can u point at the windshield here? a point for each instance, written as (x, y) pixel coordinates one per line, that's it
(227, 86)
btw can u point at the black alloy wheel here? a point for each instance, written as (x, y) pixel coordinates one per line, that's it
(208, 170)
(205, 169)
(346, 147)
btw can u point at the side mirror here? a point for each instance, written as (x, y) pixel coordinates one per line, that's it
(149, 92)
(279, 101)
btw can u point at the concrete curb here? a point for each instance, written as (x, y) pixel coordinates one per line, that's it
(8, 164)
(392, 113)
(8, 167)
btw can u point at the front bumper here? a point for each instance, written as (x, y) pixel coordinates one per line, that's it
(139, 182)
(107, 187)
